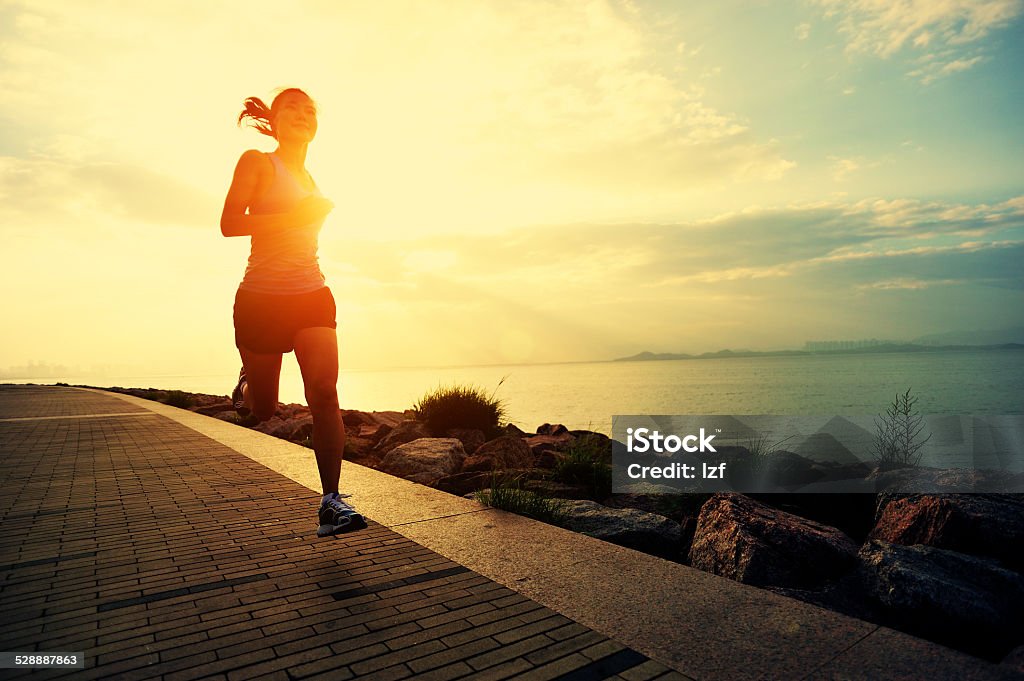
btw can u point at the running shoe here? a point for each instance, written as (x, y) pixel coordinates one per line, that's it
(338, 516)
(237, 401)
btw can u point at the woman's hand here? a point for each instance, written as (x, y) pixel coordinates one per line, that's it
(311, 209)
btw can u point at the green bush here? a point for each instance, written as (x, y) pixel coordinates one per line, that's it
(507, 494)
(584, 464)
(460, 407)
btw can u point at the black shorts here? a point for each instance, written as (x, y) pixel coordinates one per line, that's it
(267, 322)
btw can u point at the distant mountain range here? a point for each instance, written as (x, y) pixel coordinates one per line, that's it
(891, 347)
(1013, 334)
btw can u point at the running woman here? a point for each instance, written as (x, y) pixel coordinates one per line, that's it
(283, 302)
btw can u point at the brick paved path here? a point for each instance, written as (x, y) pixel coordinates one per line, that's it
(161, 553)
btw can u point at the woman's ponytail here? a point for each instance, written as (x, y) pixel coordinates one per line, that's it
(259, 115)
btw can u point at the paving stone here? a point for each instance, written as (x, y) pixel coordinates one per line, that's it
(166, 554)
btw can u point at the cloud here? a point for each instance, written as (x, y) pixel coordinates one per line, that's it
(802, 31)
(950, 29)
(871, 241)
(41, 190)
(757, 277)
(470, 98)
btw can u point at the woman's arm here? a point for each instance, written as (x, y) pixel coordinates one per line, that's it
(235, 221)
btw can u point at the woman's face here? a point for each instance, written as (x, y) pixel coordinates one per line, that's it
(295, 118)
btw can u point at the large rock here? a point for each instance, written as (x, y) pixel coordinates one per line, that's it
(507, 451)
(1015, 660)
(512, 429)
(844, 595)
(425, 460)
(945, 480)
(355, 419)
(276, 426)
(628, 527)
(213, 407)
(405, 431)
(749, 542)
(375, 432)
(471, 438)
(979, 524)
(464, 483)
(540, 444)
(964, 601)
(297, 429)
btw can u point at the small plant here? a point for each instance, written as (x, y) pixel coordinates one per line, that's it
(584, 463)
(460, 407)
(762, 446)
(178, 398)
(506, 493)
(762, 449)
(898, 434)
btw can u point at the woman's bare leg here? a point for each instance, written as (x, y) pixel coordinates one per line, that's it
(262, 378)
(316, 350)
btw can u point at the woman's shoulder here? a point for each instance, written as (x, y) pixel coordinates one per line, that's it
(255, 157)
(254, 162)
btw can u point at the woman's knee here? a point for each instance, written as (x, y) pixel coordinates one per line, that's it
(322, 395)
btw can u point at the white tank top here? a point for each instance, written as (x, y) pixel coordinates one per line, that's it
(284, 261)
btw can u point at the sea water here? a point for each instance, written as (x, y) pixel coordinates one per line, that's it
(587, 394)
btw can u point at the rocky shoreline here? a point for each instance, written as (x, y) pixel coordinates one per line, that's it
(946, 567)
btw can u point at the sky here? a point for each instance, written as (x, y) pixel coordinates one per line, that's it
(517, 182)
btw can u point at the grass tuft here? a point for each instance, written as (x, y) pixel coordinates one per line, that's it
(584, 464)
(461, 407)
(506, 493)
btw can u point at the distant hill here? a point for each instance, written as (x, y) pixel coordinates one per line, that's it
(875, 349)
(1013, 334)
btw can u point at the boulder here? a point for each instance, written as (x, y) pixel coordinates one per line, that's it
(539, 444)
(354, 419)
(478, 464)
(507, 451)
(968, 602)
(425, 460)
(292, 411)
(844, 595)
(628, 527)
(276, 426)
(512, 429)
(989, 525)
(297, 429)
(1015, 660)
(405, 431)
(471, 438)
(211, 408)
(386, 418)
(464, 483)
(749, 542)
(548, 429)
(922, 480)
(374, 432)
